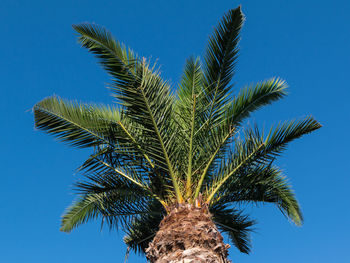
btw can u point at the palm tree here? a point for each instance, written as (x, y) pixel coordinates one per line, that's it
(173, 169)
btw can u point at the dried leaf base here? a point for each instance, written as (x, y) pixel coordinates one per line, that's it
(188, 235)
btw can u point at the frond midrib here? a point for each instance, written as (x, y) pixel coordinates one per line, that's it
(73, 123)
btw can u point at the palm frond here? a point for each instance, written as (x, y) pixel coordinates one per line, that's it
(233, 223)
(113, 56)
(237, 169)
(220, 60)
(256, 150)
(151, 106)
(144, 227)
(280, 136)
(118, 166)
(115, 206)
(141, 91)
(190, 86)
(77, 124)
(253, 98)
(245, 152)
(189, 112)
(80, 212)
(247, 101)
(262, 184)
(98, 181)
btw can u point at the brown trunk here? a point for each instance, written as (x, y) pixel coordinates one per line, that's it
(188, 235)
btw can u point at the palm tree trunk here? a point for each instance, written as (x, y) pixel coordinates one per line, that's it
(188, 235)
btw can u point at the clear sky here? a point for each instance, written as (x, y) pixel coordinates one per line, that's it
(305, 42)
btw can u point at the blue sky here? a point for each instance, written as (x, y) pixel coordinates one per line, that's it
(305, 42)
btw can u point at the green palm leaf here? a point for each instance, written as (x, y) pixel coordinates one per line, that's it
(115, 206)
(280, 136)
(113, 56)
(220, 60)
(247, 101)
(255, 149)
(245, 153)
(233, 223)
(262, 184)
(116, 166)
(144, 227)
(145, 96)
(254, 97)
(190, 111)
(77, 124)
(220, 57)
(80, 212)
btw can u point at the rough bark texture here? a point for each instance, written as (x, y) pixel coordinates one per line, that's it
(188, 235)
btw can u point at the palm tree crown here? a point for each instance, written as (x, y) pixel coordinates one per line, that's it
(156, 149)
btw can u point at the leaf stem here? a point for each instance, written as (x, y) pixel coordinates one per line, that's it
(210, 162)
(134, 141)
(223, 180)
(190, 157)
